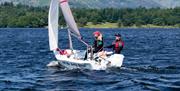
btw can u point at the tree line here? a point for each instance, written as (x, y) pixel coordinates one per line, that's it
(26, 16)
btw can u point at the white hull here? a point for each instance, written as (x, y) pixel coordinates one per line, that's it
(75, 59)
(114, 60)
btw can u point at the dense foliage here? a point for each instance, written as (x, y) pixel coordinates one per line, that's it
(25, 16)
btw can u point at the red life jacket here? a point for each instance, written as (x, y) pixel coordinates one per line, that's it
(117, 44)
(62, 52)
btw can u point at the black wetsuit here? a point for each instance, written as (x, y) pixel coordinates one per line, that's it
(98, 46)
(117, 46)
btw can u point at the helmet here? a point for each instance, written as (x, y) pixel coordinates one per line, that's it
(97, 33)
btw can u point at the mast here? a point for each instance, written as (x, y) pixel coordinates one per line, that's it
(70, 40)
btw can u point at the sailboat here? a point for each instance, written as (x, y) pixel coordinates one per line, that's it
(71, 58)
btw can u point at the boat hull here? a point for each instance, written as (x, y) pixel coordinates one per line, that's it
(74, 65)
(116, 60)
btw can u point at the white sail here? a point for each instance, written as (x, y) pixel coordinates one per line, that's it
(53, 24)
(69, 18)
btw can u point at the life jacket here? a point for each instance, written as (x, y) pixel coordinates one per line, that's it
(119, 44)
(62, 52)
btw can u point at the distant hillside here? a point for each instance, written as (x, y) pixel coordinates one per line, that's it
(33, 17)
(29, 2)
(105, 3)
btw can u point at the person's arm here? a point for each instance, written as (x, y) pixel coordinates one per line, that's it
(93, 45)
(121, 45)
(110, 46)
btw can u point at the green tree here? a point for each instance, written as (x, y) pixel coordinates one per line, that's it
(158, 21)
(120, 23)
(82, 21)
(26, 16)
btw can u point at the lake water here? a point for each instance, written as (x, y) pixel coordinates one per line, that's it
(152, 62)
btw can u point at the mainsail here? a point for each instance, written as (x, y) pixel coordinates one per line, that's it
(53, 24)
(69, 18)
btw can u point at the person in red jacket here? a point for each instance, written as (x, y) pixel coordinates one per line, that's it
(117, 45)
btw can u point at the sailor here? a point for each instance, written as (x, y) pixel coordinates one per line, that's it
(117, 45)
(97, 45)
(67, 53)
(98, 42)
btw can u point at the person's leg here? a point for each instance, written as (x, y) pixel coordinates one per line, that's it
(85, 58)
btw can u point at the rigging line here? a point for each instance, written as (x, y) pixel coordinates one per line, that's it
(80, 39)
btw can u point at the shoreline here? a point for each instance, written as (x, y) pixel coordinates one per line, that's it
(115, 25)
(104, 26)
(89, 28)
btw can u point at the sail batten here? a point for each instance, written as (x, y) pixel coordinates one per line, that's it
(53, 24)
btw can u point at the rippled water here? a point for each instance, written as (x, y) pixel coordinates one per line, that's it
(152, 62)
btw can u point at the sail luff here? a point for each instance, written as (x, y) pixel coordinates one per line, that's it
(53, 24)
